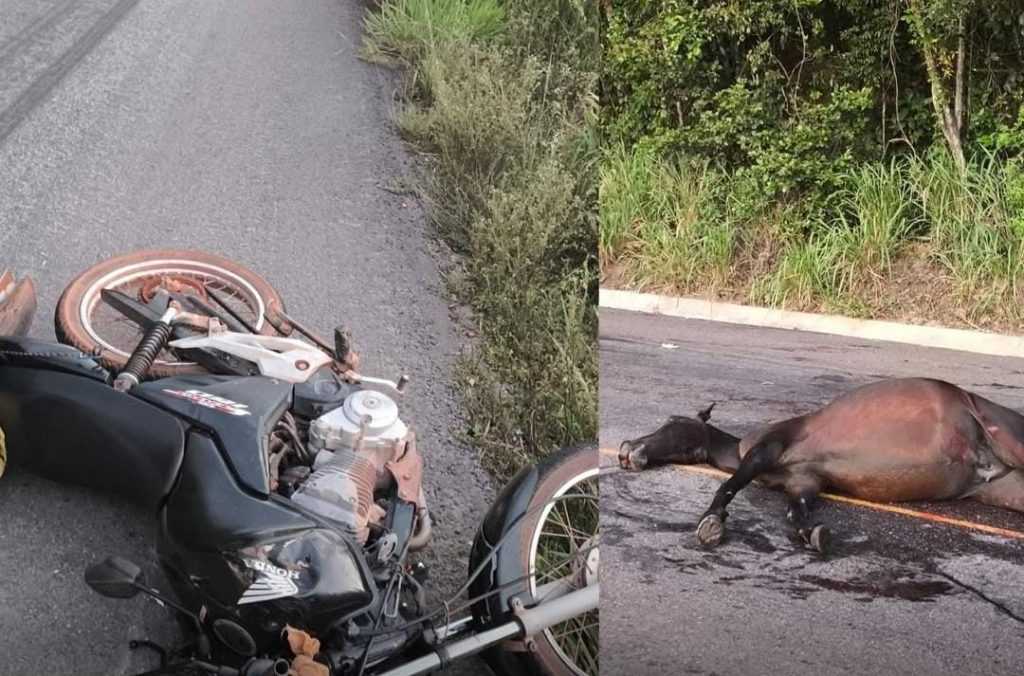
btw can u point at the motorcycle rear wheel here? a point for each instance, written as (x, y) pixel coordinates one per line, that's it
(84, 321)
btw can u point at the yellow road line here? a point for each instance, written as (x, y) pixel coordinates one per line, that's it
(878, 506)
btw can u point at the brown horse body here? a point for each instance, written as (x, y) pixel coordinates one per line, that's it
(895, 440)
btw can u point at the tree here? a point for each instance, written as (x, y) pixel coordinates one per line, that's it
(938, 25)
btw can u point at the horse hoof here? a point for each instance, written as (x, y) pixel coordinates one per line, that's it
(819, 539)
(710, 531)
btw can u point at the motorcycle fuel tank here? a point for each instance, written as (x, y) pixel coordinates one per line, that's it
(239, 412)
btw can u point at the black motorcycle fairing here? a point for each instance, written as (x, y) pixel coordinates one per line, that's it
(323, 392)
(507, 514)
(240, 412)
(41, 354)
(210, 510)
(503, 575)
(257, 560)
(77, 429)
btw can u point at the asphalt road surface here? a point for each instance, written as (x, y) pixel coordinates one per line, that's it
(250, 129)
(898, 595)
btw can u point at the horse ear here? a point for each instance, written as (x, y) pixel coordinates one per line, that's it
(705, 415)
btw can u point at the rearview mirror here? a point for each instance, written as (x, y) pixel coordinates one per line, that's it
(116, 577)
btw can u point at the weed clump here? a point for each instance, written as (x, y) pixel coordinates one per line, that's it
(500, 97)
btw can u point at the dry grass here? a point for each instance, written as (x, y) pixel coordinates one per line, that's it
(499, 98)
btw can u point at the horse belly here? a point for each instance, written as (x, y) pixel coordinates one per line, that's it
(892, 482)
(892, 458)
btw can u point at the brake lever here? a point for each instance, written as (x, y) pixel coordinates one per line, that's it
(357, 378)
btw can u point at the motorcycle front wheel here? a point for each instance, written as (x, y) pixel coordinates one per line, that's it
(557, 502)
(83, 320)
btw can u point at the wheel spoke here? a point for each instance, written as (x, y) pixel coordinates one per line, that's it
(116, 331)
(568, 533)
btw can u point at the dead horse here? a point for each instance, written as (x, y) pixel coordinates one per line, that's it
(894, 440)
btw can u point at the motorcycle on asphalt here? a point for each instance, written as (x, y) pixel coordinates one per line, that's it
(286, 485)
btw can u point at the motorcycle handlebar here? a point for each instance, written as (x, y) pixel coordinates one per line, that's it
(527, 622)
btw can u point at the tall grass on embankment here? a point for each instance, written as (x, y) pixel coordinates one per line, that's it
(910, 239)
(500, 98)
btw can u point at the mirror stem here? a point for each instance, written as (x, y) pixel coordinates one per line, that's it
(202, 640)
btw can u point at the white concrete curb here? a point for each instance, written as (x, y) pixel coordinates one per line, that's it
(869, 329)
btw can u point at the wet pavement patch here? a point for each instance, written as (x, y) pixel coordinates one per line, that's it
(908, 589)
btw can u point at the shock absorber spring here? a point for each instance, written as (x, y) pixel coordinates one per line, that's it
(146, 352)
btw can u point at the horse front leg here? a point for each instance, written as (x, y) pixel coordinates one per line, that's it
(761, 458)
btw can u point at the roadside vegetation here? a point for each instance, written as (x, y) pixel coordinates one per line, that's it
(849, 156)
(500, 98)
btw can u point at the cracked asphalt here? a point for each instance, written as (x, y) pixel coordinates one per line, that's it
(250, 129)
(898, 595)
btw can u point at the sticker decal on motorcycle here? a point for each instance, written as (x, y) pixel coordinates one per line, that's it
(211, 401)
(271, 582)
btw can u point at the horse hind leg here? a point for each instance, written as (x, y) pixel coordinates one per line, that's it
(1006, 491)
(802, 490)
(760, 459)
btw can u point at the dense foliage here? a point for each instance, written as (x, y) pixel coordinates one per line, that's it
(796, 91)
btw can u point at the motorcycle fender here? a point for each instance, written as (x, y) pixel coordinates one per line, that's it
(503, 523)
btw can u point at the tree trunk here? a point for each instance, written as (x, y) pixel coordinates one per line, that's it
(961, 66)
(951, 115)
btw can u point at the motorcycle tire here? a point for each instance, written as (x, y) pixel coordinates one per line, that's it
(534, 486)
(73, 317)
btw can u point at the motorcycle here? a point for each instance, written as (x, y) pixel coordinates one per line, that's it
(287, 486)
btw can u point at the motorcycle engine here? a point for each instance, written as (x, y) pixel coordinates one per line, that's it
(353, 444)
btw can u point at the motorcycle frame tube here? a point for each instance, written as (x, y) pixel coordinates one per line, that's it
(525, 623)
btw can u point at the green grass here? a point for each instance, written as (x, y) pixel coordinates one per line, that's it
(629, 197)
(875, 214)
(500, 99)
(671, 223)
(973, 224)
(665, 220)
(851, 242)
(410, 29)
